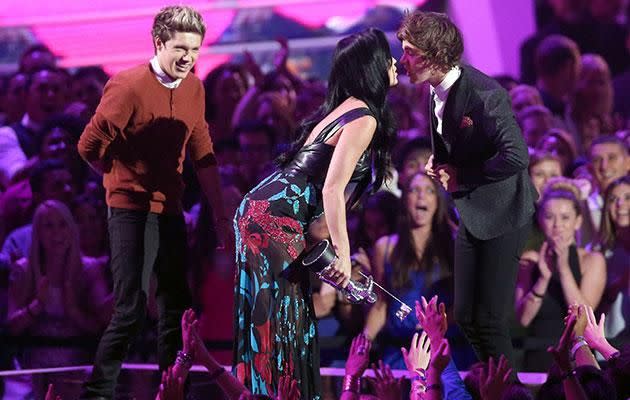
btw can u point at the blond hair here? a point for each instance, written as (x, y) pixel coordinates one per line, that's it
(73, 253)
(173, 19)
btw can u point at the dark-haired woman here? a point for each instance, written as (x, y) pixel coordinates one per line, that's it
(327, 168)
(417, 260)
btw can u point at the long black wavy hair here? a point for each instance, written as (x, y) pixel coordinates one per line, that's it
(359, 69)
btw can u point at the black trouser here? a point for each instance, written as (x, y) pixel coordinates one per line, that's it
(485, 280)
(142, 243)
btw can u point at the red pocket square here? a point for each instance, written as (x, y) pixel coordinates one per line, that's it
(467, 122)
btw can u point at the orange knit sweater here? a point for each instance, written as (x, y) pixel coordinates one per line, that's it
(140, 133)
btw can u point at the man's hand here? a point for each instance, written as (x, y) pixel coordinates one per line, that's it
(428, 168)
(447, 175)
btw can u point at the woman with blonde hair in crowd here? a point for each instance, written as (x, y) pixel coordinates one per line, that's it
(53, 297)
(557, 275)
(614, 243)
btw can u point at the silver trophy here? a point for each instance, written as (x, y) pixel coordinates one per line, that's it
(321, 259)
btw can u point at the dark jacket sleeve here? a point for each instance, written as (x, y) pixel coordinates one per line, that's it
(499, 126)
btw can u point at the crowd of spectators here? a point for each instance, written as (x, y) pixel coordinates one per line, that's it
(571, 103)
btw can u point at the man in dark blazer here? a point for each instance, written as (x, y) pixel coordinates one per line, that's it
(480, 158)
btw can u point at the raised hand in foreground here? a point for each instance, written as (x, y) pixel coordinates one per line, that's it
(432, 318)
(595, 335)
(494, 379)
(359, 356)
(386, 385)
(172, 387)
(418, 357)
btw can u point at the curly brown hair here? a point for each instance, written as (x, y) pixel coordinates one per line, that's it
(436, 36)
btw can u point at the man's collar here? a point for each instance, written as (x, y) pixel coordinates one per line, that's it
(448, 81)
(162, 76)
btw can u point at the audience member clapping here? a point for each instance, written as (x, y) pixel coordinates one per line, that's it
(558, 275)
(53, 296)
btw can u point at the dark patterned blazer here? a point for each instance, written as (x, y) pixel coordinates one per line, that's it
(481, 139)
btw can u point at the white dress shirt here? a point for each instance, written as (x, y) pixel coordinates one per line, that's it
(440, 94)
(162, 76)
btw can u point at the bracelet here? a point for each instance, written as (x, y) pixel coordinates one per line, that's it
(434, 386)
(351, 384)
(540, 296)
(418, 386)
(213, 376)
(421, 373)
(184, 359)
(576, 347)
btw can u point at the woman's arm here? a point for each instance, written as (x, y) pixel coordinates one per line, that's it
(353, 141)
(527, 294)
(592, 284)
(24, 305)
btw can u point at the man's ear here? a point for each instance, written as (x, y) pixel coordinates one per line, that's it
(157, 43)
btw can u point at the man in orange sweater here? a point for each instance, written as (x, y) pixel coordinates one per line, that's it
(147, 118)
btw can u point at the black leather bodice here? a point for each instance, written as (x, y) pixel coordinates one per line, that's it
(313, 159)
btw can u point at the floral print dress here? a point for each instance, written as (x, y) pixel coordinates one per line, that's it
(274, 322)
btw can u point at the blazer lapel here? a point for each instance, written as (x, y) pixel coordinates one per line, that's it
(455, 107)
